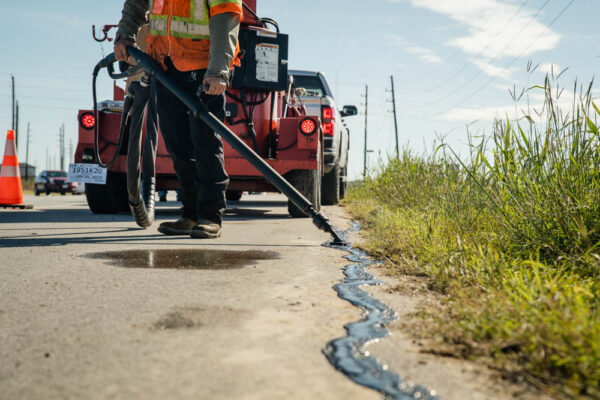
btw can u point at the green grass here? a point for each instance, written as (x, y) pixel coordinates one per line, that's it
(510, 234)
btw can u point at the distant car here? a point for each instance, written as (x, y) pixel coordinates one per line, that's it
(53, 182)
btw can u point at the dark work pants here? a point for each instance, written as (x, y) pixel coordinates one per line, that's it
(196, 150)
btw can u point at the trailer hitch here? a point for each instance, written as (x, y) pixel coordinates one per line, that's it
(198, 109)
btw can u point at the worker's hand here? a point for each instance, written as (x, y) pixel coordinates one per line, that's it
(121, 49)
(216, 85)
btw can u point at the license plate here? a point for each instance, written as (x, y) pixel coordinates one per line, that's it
(86, 173)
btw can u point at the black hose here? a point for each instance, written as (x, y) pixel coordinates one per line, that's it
(142, 205)
(104, 64)
(249, 113)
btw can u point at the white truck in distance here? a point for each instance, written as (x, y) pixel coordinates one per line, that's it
(318, 100)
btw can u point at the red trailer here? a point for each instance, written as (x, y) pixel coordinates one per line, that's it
(260, 109)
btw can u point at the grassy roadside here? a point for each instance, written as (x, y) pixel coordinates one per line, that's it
(27, 185)
(510, 235)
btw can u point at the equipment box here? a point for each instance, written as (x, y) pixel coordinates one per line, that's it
(264, 61)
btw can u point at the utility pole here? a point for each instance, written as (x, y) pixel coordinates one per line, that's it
(366, 120)
(17, 128)
(13, 103)
(395, 119)
(62, 147)
(71, 155)
(27, 155)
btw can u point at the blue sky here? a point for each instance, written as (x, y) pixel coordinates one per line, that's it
(453, 62)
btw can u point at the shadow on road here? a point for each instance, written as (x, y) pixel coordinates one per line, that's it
(155, 239)
(237, 211)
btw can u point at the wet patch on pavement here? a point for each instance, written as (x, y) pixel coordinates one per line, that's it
(347, 354)
(194, 317)
(187, 259)
(176, 320)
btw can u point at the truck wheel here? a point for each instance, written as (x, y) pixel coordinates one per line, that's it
(233, 195)
(343, 182)
(36, 191)
(330, 187)
(307, 182)
(110, 198)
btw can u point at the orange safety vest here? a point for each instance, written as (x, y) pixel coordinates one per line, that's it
(179, 30)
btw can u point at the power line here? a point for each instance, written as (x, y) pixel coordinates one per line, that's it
(440, 66)
(469, 63)
(55, 98)
(53, 87)
(44, 107)
(500, 53)
(560, 14)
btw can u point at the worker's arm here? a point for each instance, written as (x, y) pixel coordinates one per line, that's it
(224, 30)
(132, 17)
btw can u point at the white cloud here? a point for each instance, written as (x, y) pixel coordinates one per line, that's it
(469, 114)
(549, 69)
(497, 27)
(395, 40)
(536, 99)
(490, 69)
(425, 54)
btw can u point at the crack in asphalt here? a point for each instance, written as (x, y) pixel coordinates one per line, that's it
(346, 354)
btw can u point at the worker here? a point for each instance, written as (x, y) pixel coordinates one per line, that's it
(196, 43)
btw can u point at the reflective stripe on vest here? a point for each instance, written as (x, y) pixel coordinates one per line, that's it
(213, 3)
(195, 27)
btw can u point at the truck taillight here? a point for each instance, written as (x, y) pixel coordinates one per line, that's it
(328, 120)
(87, 120)
(308, 126)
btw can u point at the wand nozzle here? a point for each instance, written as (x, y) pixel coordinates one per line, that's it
(323, 224)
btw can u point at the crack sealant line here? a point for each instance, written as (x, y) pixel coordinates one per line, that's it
(346, 354)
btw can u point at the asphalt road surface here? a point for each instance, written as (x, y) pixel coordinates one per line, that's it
(90, 310)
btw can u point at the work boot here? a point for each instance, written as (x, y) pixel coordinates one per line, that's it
(182, 226)
(206, 229)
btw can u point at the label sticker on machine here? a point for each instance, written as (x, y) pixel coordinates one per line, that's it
(267, 62)
(86, 173)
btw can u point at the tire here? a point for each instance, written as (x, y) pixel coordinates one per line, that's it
(36, 191)
(330, 187)
(343, 182)
(47, 190)
(233, 195)
(63, 193)
(307, 182)
(110, 198)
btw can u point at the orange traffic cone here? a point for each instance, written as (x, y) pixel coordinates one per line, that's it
(11, 193)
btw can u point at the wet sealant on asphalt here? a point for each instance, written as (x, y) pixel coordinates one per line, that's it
(347, 354)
